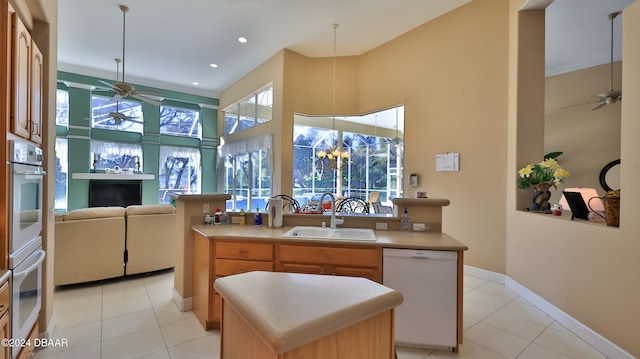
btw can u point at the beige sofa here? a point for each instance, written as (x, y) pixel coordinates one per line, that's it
(103, 242)
(151, 237)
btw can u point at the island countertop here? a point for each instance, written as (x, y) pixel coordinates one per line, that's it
(390, 239)
(288, 310)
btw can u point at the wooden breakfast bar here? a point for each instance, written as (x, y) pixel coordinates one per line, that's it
(291, 315)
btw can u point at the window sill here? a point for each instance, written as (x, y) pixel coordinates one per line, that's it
(594, 220)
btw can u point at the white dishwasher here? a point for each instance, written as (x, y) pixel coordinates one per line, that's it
(428, 281)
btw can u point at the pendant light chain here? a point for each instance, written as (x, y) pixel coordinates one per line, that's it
(333, 91)
(334, 154)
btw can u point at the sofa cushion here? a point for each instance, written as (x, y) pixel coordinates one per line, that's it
(94, 212)
(150, 209)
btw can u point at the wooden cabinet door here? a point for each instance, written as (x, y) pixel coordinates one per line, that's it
(5, 353)
(202, 274)
(331, 260)
(349, 256)
(302, 268)
(21, 48)
(244, 250)
(235, 266)
(35, 99)
(369, 273)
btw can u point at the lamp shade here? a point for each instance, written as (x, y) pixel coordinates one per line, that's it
(587, 194)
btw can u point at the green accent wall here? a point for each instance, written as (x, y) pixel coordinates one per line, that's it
(79, 135)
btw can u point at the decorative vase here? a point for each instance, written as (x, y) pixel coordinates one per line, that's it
(541, 197)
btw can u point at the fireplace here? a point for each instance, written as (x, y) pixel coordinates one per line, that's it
(104, 193)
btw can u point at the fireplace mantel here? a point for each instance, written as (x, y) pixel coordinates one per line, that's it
(112, 176)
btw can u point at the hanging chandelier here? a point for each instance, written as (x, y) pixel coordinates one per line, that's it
(332, 157)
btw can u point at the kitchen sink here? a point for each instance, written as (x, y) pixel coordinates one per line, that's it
(350, 234)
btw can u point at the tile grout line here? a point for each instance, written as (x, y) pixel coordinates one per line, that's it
(487, 316)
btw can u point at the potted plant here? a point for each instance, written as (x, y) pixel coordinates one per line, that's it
(541, 176)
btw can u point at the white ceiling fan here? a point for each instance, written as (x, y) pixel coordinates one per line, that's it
(611, 96)
(123, 89)
(107, 111)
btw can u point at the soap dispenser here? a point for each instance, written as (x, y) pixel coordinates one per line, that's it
(404, 221)
(258, 219)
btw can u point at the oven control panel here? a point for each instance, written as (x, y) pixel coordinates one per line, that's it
(24, 152)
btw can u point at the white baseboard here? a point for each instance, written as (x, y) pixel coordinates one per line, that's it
(484, 274)
(600, 343)
(183, 304)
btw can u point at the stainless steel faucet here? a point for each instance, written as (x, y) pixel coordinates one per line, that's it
(334, 221)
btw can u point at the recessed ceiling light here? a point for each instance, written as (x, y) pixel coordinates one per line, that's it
(242, 39)
(214, 65)
(195, 83)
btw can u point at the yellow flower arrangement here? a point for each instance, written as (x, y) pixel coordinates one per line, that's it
(548, 170)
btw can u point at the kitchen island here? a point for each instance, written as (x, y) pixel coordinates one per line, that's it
(221, 251)
(286, 315)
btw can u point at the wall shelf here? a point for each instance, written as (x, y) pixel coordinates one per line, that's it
(112, 176)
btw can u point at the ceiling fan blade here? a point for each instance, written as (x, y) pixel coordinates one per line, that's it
(116, 98)
(145, 99)
(601, 105)
(580, 104)
(111, 86)
(102, 90)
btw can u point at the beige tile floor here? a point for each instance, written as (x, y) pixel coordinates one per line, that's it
(135, 318)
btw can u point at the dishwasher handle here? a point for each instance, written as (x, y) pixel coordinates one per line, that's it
(419, 254)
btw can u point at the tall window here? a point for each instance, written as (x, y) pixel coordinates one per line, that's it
(375, 164)
(62, 173)
(247, 173)
(180, 122)
(179, 172)
(62, 107)
(117, 116)
(252, 111)
(372, 159)
(109, 155)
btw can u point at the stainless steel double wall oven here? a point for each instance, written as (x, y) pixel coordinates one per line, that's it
(25, 241)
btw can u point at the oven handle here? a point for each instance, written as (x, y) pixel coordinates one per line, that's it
(41, 255)
(30, 172)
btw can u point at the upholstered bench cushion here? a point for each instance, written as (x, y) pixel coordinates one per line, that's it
(150, 209)
(94, 212)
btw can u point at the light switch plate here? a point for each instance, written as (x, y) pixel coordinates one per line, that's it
(381, 226)
(206, 208)
(420, 227)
